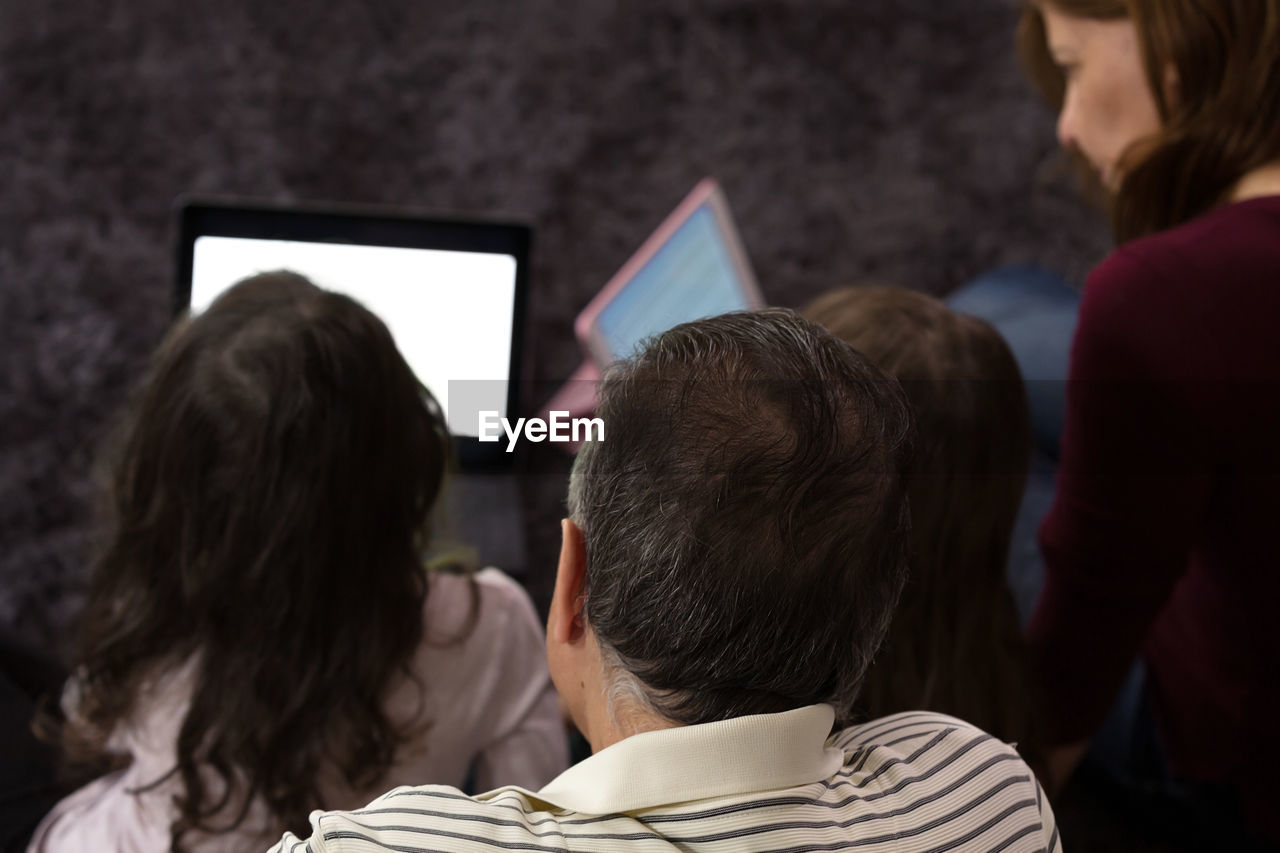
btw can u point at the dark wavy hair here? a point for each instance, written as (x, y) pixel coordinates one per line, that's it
(954, 645)
(266, 516)
(1219, 124)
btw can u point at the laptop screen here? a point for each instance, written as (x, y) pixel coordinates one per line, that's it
(692, 266)
(692, 276)
(451, 293)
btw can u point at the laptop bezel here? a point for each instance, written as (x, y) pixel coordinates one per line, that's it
(200, 216)
(706, 193)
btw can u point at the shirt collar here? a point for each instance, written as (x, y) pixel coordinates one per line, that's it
(761, 752)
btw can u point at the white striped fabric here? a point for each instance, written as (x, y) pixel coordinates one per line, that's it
(911, 782)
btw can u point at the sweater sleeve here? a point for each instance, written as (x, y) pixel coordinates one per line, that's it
(1130, 495)
(527, 744)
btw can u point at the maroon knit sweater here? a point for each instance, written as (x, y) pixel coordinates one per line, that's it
(1164, 537)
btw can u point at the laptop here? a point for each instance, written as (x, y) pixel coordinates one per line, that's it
(693, 266)
(452, 292)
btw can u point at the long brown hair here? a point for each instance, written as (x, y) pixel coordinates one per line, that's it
(265, 519)
(1221, 121)
(954, 644)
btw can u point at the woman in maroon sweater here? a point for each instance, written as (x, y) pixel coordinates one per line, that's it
(1160, 546)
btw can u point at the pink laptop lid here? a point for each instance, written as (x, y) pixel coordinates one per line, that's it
(692, 266)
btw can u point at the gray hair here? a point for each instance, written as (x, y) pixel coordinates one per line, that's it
(746, 523)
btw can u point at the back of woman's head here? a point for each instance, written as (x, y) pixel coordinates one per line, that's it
(953, 645)
(266, 512)
(1213, 69)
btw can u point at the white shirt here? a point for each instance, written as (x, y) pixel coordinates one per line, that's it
(488, 698)
(915, 781)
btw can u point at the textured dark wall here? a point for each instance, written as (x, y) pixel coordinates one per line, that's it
(891, 139)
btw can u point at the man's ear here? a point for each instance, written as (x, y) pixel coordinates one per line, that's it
(565, 622)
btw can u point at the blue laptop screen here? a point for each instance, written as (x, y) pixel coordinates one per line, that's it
(690, 277)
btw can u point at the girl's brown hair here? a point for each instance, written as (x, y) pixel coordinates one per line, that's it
(1218, 122)
(265, 521)
(954, 645)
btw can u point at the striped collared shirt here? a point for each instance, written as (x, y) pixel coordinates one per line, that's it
(915, 781)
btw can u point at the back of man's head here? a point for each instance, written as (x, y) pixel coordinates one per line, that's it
(745, 520)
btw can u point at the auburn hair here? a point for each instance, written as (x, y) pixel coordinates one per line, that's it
(1219, 120)
(265, 514)
(954, 644)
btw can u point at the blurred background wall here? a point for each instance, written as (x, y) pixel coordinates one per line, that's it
(892, 140)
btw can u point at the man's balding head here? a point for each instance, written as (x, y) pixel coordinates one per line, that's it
(744, 525)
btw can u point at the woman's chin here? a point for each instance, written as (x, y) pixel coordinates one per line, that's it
(1110, 177)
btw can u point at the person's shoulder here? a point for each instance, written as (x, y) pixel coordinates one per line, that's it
(906, 726)
(481, 600)
(976, 784)
(1197, 288)
(500, 583)
(503, 598)
(424, 814)
(1237, 237)
(1255, 220)
(923, 741)
(489, 582)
